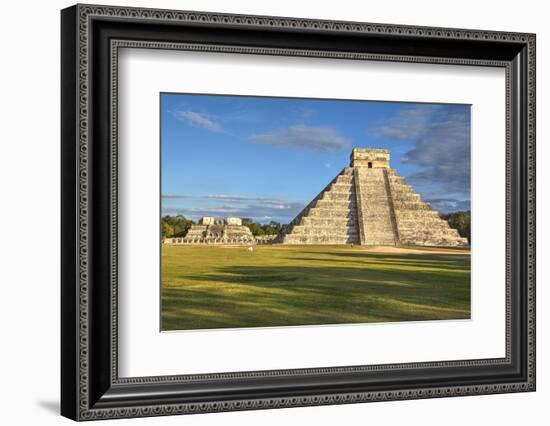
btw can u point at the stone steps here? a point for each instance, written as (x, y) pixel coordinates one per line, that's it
(334, 221)
(330, 218)
(417, 214)
(375, 216)
(303, 230)
(409, 206)
(335, 229)
(329, 213)
(316, 239)
(335, 204)
(343, 185)
(339, 196)
(414, 224)
(430, 240)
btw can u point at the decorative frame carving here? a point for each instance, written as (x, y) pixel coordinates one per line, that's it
(91, 388)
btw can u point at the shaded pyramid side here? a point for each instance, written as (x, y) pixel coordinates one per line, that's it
(330, 218)
(416, 222)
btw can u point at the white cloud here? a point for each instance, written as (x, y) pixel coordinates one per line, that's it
(257, 208)
(241, 198)
(201, 120)
(175, 196)
(410, 123)
(322, 139)
(448, 205)
(224, 197)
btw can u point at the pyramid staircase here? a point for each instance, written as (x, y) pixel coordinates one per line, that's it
(375, 213)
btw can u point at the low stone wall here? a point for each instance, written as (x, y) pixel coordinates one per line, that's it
(260, 239)
(266, 239)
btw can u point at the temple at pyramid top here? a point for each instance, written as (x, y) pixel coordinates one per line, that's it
(372, 158)
(368, 203)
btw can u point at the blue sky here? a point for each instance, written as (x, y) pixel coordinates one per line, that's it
(266, 158)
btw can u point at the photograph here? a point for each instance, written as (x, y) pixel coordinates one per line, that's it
(279, 212)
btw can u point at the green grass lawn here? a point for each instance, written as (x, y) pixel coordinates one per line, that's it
(219, 287)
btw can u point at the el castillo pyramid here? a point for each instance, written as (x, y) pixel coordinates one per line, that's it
(368, 203)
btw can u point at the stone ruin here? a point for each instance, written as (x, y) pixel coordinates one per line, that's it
(368, 203)
(211, 230)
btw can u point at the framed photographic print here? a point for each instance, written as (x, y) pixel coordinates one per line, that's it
(263, 212)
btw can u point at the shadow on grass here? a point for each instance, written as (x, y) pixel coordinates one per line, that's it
(259, 296)
(448, 264)
(410, 257)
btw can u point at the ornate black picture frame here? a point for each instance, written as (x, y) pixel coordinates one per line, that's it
(91, 37)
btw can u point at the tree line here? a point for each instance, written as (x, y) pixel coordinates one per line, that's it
(172, 226)
(178, 225)
(270, 228)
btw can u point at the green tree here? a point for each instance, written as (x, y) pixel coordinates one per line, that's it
(167, 229)
(172, 226)
(271, 228)
(256, 229)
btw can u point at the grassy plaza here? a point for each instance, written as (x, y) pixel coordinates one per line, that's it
(208, 287)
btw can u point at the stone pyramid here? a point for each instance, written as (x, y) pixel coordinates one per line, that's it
(368, 203)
